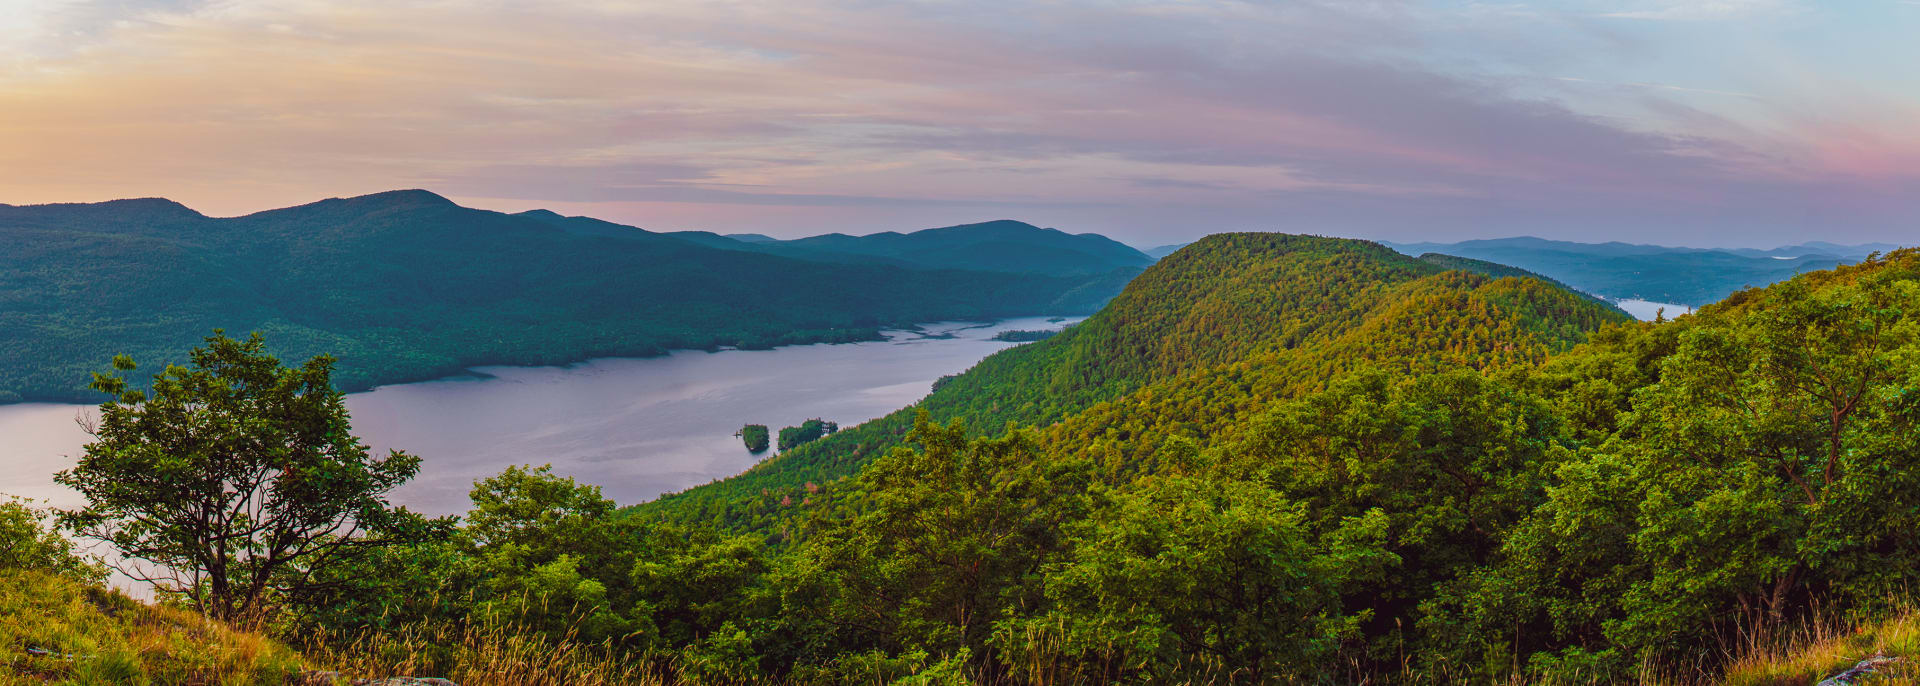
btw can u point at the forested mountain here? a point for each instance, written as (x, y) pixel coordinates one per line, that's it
(1685, 276)
(407, 285)
(1285, 458)
(1238, 319)
(1002, 245)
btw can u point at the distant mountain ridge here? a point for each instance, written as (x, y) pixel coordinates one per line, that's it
(1497, 270)
(408, 285)
(1161, 251)
(999, 245)
(1686, 276)
(1002, 245)
(1860, 250)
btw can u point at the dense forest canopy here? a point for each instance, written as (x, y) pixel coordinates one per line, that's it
(407, 285)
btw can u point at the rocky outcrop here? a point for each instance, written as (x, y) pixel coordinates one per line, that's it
(327, 678)
(1860, 671)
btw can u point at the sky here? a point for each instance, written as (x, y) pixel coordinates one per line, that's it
(1706, 123)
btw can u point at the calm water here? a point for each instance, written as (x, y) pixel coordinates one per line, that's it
(635, 427)
(1644, 310)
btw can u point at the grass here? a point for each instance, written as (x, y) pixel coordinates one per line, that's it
(91, 635)
(1818, 650)
(57, 630)
(481, 654)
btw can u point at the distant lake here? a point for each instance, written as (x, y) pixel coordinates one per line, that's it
(635, 427)
(1644, 310)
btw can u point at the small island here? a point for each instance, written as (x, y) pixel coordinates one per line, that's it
(1022, 336)
(807, 432)
(755, 436)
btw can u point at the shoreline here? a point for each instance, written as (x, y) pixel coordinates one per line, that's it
(466, 369)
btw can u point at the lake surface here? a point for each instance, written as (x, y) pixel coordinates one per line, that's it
(635, 427)
(1645, 310)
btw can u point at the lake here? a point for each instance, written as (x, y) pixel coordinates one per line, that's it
(635, 427)
(1645, 310)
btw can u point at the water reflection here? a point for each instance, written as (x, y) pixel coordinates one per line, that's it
(635, 427)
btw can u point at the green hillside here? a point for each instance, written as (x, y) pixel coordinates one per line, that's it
(407, 285)
(1424, 480)
(1243, 319)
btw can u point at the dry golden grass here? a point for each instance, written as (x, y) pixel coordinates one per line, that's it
(96, 636)
(481, 654)
(1821, 649)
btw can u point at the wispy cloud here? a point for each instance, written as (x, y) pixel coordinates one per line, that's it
(1703, 10)
(1385, 118)
(1657, 86)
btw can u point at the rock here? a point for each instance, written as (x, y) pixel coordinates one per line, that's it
(1859, 671)
(329, 678)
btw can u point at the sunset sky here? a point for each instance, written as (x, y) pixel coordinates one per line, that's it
(1730, 122)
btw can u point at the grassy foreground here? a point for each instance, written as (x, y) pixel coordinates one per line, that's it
(59, 630)
(1820, 650)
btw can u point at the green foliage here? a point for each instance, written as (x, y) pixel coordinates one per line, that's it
(27, 544)
(548, 555)
(755, 438)
(1767, 467)
(235, 477)
(952, 538)
(1192, 580)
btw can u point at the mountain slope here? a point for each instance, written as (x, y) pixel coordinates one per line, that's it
(87, 634)
(1426, 476)
(408, 285)
(1246, 318)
